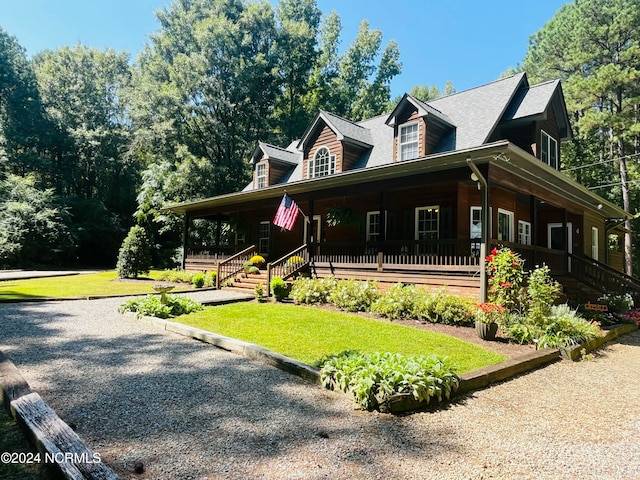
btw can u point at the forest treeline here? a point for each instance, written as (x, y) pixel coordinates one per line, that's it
(94, 141)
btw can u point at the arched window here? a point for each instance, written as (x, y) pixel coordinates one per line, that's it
(322, 164)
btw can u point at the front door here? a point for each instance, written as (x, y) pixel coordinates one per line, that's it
(556, 238)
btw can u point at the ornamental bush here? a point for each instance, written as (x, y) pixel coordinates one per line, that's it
(353, 295)
(279, 288)
(542, 291)
(398, 302)
(372, 378)
(198, 280)
(134, 257)
(442, 307)
(312, 290)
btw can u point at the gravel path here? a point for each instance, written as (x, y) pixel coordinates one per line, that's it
(190, 411)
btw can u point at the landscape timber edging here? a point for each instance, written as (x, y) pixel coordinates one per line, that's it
(239, 347)
(475, 380)
(48, 432)
(575, 353)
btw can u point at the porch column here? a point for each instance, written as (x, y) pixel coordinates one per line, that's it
(565, 222)
(383, 232)
(310, 232)
(533, 215)
(185, 238)
(484, 226)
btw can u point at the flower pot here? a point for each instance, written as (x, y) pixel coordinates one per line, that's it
(487, 331)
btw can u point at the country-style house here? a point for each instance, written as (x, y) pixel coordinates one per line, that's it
(400, 197)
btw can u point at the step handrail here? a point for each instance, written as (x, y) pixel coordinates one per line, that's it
(228, 267)
(284, 269)
(601, 276)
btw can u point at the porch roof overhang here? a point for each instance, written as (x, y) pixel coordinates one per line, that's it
(502, 153)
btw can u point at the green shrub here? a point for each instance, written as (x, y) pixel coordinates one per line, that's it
(442, 307)
(353, 295)
(506, 275)
(210, 280)
(259, 291)
(562, 328)
(373, 378)
(198, 280)
(398, 302)
(134, 257)
(312, 290)
(542, 292)
(176, 276)
(152, 305)
(279, 288)
(567, 328)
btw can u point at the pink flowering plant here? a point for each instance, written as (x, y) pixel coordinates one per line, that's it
(506, 276)
(633, 316)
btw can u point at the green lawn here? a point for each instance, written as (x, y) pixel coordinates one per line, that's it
(83, 285)
(309, 333)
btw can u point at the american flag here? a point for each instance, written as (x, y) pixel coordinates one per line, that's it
(287, 213)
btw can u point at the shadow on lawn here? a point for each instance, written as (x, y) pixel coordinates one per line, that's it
(207, 411)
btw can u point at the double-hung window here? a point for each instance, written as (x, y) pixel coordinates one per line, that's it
(548, 149)
(322, 164)
(524, 232)
(408, 142)
(261, 175)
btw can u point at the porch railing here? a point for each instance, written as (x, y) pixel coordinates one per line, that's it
(233, 265)
(436, 255)
(213, 253)
(288, 265)
(604, 278)
(534, 256)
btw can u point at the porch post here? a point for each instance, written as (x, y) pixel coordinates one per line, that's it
(383, 232)
(310, 231)
(185, 238)
(484, 226)
(565, 221)
(533, 215)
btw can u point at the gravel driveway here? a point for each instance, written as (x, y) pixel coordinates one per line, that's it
(190, 411)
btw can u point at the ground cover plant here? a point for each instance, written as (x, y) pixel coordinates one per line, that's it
(12, 441)
(313, 334)
(374, 378)
(83, 285)
(156, 306)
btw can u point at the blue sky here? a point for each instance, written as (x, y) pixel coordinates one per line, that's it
(469, 42)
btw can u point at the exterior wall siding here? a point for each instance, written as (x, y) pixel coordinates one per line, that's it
(325, 138)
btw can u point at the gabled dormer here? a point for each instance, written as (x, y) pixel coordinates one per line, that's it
(418, 128)
(332, 144)
(272, 165)
(537, 121)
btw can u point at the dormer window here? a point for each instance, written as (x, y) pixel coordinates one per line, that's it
(408, 143)
(261, 175)
(322, 164)
(548, 149)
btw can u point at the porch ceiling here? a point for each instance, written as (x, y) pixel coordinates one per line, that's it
(502, 154)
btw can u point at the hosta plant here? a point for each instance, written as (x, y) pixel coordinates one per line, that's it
(372, 378)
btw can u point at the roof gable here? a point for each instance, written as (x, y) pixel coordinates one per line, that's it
(476, 112)
(423, 109)
(275, 153)
(345, 130)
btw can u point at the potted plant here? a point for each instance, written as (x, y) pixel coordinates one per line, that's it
(257, 261)
(487, 320)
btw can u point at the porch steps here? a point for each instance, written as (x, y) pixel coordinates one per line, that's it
(247, 283)
(576, 290)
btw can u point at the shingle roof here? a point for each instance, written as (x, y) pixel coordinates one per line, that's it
(477, 111)
(532, 101)
(281, 154)
(345, 129)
